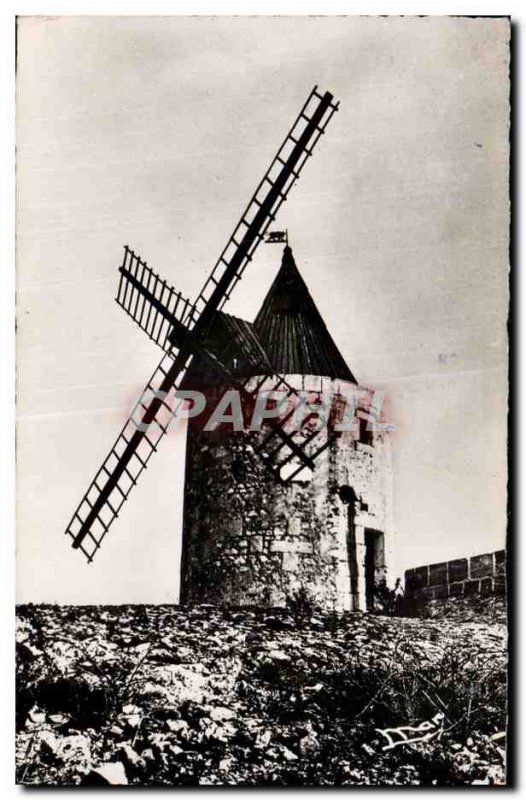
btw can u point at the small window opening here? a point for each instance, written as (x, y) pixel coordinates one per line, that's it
(365, 435)
(347, 494)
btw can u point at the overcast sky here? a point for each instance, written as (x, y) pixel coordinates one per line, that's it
(154, 132)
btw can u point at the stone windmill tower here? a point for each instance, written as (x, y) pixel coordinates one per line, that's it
(278, 508)
(251, 540)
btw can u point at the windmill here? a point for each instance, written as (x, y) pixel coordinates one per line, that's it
(180, 327)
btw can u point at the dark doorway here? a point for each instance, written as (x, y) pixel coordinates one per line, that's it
(374, 563)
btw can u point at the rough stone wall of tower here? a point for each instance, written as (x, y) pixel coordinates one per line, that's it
(249, 540)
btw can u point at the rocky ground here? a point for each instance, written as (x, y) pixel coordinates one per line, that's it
(166, 696)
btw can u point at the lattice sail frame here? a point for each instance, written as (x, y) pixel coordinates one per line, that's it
(154, 305)
(296, 148)
(137, 441)
(140, 456)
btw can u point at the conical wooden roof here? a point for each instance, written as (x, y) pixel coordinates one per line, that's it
(292, 332)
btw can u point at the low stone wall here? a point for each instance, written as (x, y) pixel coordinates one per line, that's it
(479, 575)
